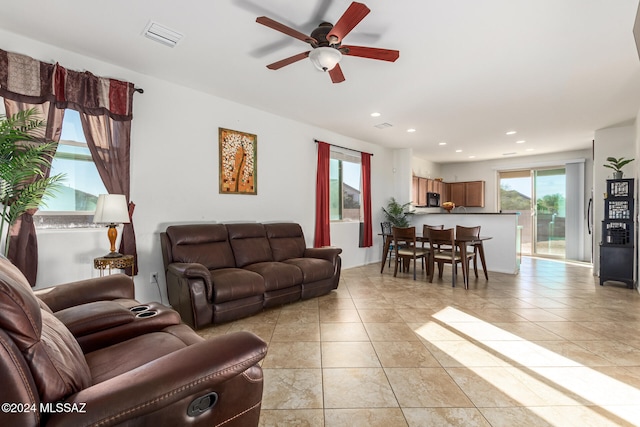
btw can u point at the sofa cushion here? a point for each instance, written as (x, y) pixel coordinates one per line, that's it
(313, 269)
(206, 244)
(249, 243)
(231, 284)
(286, 240)
(277, 275)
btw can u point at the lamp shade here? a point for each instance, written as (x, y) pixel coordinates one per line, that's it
(325, 58)
(111, 209)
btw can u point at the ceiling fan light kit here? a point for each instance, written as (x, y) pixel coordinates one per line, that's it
(326, 42)
(325, 58)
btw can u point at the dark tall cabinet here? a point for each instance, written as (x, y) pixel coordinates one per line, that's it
(618, 236)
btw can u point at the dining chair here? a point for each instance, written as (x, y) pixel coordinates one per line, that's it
(406, 249)
(462, 231)
(478, 248)
(444, 251)
(387, 233)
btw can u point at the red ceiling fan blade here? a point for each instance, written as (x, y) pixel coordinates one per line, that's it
(371, 53)
(284, 62)
(284, 29)
(336, 74)
(349, 19)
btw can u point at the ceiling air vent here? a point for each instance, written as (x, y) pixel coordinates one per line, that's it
(383, 125)
(161, 34)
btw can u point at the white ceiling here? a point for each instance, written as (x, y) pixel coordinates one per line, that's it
(469, 70)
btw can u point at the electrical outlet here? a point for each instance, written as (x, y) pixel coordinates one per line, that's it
(153, 277)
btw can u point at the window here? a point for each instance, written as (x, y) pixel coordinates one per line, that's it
(344, 180)
(74, 204)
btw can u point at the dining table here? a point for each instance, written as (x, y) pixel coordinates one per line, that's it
(463, 242)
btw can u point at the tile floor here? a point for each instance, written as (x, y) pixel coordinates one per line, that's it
(546, 347)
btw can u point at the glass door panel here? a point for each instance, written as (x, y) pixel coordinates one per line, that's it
(550, 212)
(515, 197)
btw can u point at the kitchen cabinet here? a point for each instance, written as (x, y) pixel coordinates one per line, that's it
(421, 186)
(469, 194)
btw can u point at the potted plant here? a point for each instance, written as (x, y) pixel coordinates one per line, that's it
(23, 183)
(397, 214)
(616, 165)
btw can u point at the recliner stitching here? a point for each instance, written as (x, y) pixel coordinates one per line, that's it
(175, 391)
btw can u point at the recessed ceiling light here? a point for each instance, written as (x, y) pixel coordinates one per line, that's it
(472, 157)
(442, 143)
(458, 151)
(530, 149)
(522, 141)
(411, 130)
(375, 114)
(511, 132)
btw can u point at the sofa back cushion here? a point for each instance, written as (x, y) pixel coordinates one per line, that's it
(206, 244)
(57, 364)
(286, 240)
(249, 243)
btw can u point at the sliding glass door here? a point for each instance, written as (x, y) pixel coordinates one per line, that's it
(539, 197)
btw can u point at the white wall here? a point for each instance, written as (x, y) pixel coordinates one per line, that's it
(174, 173)
(609, 142)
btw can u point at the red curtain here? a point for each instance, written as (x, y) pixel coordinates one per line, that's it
(366, 240)
(322, 233)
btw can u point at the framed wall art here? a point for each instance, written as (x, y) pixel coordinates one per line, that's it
(238, 162)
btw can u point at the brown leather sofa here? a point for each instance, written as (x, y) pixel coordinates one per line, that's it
(221, 272)
(157, 375)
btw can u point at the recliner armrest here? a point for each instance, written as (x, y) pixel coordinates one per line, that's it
(327, 252)
(168, 383)
(94, 316)
(193, 270)
(115, 286)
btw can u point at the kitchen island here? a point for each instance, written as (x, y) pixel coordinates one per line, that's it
(501, 251)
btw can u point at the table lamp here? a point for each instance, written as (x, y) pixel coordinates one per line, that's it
(112, 210)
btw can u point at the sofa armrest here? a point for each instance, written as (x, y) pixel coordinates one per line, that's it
(166, 385)
(115, 286)
(327, 252)
(193, 270)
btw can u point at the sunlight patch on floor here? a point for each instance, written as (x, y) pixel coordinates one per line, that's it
(527, 372)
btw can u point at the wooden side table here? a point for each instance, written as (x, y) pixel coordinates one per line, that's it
(103, 263)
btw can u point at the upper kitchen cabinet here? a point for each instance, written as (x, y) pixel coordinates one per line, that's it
(469, 194)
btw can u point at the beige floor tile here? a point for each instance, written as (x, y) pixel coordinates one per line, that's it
(380, 316)
(390, 332)
(297, 354)
(336, 354)
(343, 332)
(438, 417)
(292, 417)
(292, 389)
(328, 315)
(296, 332)
(426, 387)
(464, 353)
(357, 388)
(365, 417)
(404, 354)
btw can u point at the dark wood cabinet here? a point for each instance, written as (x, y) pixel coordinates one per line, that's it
(617, 247)
(421, 186)
(469, 193)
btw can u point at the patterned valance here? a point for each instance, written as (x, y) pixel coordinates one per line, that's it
(26, 79)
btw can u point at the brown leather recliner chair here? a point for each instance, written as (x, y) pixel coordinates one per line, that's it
(167, 377)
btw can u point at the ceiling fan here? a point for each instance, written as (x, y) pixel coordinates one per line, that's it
(326, 41)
